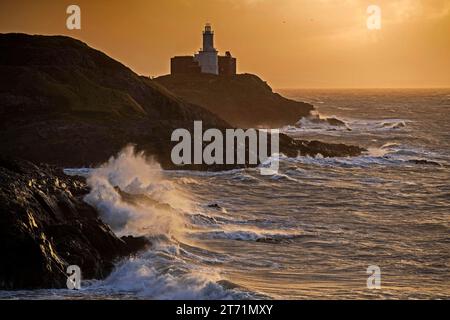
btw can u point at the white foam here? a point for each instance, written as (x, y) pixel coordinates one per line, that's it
(162, 273)
(318, 124)
(158, 210)
(156, 207)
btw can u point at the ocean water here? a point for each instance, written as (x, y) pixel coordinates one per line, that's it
(310, 231)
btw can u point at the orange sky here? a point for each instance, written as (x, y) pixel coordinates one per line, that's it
(289, 43)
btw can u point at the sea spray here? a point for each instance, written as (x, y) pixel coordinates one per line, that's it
(133, 196)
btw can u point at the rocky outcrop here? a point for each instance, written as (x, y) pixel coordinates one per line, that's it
(243, 100)
(45, 226)
(68, 105)
(64, 103)
(294, 148)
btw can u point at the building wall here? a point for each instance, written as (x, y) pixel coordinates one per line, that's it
(208, 61)
(227, 65)
(184, 64)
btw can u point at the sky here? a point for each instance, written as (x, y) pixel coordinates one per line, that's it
(289, 43)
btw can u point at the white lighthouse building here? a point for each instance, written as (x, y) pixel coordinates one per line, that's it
(207, 56)
(206, 60)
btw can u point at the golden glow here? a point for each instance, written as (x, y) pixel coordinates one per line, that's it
(290, 43)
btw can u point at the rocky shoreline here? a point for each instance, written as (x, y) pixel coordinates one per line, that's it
(46, 226)
(69, 105)
(65, 104)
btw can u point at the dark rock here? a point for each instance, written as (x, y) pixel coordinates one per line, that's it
(243, 100)
(335, 122)
(46, 226)
(66, 104)
(294, 148)
(315, 119)
(425, 162)
(135, 244)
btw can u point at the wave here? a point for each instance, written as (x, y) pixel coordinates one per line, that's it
(316, 122)
(333, 125)
(387, 155)
(163, 273)
(377, 125)
(365, 161)
(134, 196)
(205, 173)
(215, 220)
(249, 235)
(393, 125)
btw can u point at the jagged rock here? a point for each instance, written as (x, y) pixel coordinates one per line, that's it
(45, 226)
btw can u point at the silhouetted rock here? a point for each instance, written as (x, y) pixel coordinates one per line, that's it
(214, 206)
(335, 122)
(294, 148)
(46, 226)
(425, 162)
(243, 100)
(66, 104)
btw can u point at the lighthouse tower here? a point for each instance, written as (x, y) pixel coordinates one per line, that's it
(208, 38)
(207, 56)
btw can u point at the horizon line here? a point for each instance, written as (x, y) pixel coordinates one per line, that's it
(362, 88)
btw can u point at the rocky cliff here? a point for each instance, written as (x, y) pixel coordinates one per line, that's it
(243, 100)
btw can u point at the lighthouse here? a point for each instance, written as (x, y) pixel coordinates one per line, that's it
(206, 60)
(207, 56)
(208, 38)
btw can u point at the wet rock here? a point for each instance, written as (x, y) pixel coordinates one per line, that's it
(335, 122)
(46, 226)
(425, 162)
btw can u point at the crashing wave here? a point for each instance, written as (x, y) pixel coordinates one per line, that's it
(133, 195)
(316, 122)
(164, 273)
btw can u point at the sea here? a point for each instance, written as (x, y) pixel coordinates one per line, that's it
(315, 230)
